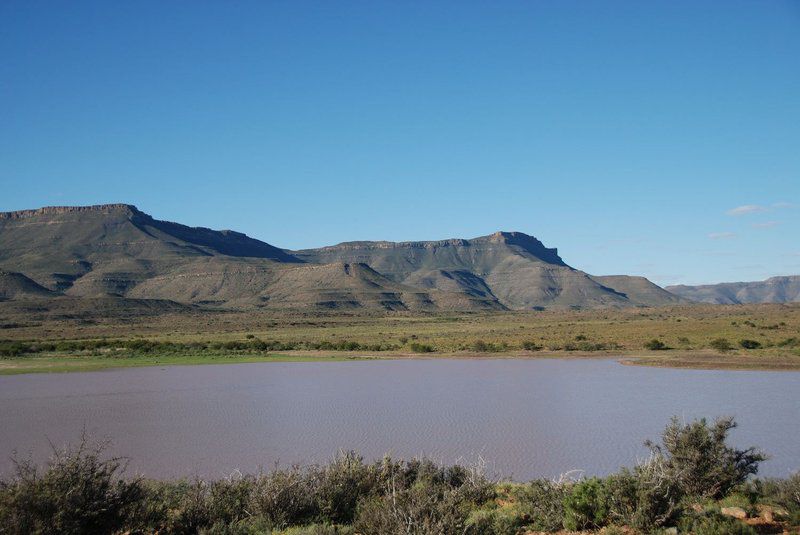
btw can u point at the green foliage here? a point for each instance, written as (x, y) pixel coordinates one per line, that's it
(656, 345)
(644, 497)
(720, 344)
(494, 522)
(713, 523)
(529, 345)
(417, 347)
(542, 501)
(586, 505)
(283, 498)
(487, 347)
(749, 344)
(77, 493)
(339, 485)
(697, 458)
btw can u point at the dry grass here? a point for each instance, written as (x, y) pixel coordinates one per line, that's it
(687, 330)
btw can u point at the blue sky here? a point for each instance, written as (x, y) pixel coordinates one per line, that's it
(626, 134)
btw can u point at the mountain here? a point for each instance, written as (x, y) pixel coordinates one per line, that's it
(639, 290)
(514, 269)
(772, 290)
(118, 251)
(17, 286)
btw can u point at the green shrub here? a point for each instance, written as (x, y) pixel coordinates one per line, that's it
(416, 347)
(531, 346)
(655, 345)
(341, 484)
(713, 523)
(423, 508)
(543, 502)
(284, 498)
(79, 492)
(317, 529)
(698, 459)
(749, 344)
(720, 344)
(494, 522)
(586, 505)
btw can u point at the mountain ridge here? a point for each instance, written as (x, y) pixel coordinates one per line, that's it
(779, 289)
(116, 250)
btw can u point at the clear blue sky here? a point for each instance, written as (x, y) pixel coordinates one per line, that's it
(622, 133)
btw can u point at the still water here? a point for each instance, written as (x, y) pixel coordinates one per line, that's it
(525, 418)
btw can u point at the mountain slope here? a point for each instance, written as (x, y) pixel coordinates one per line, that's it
(512, 267)
(639, 290)
(773, 290)
(115, 250)
(109, 249)
(17, 286)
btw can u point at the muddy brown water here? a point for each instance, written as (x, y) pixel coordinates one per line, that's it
(525, 418)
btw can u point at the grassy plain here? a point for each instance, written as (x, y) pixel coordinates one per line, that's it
(702, 336)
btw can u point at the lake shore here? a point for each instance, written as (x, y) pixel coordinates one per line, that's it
(699, 359)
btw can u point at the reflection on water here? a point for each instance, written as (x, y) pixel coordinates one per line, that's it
(526, 418)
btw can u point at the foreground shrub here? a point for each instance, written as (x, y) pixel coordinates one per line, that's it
(339, 486)
(423, 497)
(283, 498)
(542, 501)
(77, 493)
(586, 505)
(645, 497)
(420, 509)
(713, 523)
(697, 458)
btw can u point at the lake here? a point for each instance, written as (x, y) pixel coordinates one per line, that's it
(525, 418)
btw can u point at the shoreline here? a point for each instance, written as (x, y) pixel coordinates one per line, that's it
(676, 359)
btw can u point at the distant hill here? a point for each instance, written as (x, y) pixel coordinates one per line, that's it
(514, 269)
(117, 251)
(772, 290)
(17, 286)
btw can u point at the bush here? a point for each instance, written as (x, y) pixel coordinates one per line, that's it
(645, 497)
(423, 508)
(79, 492)
(531, 346)
(655, 345)
(713, 523)
(283, 498)
(697, 458)
(341, 484)
(494, 522)
(586, 505)
(421, 348)
(720, 344)
(543, 502)
(484, 347)
(749, 344)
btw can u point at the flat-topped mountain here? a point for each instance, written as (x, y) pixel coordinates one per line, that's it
(773, 290)
(119, 251)
(515, 269)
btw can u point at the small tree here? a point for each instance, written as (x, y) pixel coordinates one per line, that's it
(699, 460)
(720, 344)
(749, 344)
(655, 345)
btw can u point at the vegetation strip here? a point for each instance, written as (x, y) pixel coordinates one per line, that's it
(692, 482)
